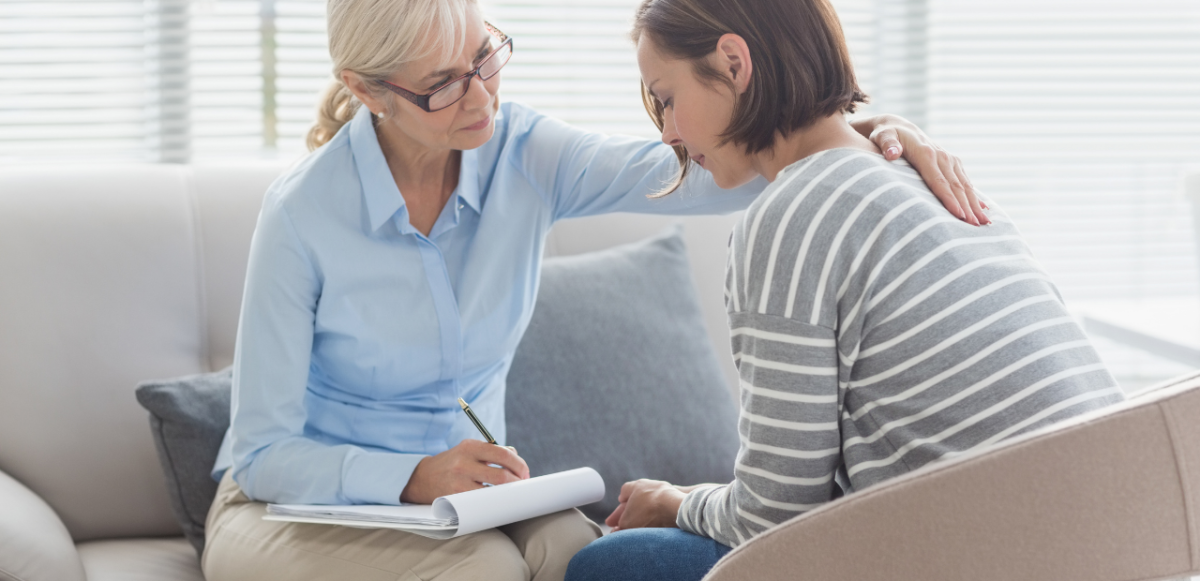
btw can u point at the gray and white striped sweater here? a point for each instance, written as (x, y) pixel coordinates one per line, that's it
(875, 333)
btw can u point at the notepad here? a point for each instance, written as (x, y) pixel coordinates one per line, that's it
(459, 514)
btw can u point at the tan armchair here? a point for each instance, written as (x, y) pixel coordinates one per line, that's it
(1113, 496)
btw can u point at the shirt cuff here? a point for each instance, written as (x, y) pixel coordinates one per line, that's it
(692, 507)
(377, 477)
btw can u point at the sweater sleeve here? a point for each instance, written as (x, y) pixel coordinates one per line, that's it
(788, 424)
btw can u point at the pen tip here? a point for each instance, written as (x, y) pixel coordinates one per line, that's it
(462, 403)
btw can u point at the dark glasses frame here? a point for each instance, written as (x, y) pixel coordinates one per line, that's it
(422, 101)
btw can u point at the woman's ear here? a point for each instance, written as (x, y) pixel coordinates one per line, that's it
(358, 86)
(733, 59)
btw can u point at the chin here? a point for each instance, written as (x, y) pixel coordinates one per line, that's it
(728, 182)
(481, 137)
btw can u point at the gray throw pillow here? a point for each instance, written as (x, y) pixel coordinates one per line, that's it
(188, 418)
(616, 372)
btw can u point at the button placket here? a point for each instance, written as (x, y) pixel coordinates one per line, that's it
(449, 319)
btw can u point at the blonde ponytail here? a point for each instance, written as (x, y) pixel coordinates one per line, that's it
(337, 108)
(374, 38)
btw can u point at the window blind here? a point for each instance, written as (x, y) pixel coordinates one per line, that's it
(73, 80)
(228, 50)
(1078, 121)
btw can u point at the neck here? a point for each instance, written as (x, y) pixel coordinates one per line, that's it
(827, 133)
(417, 169)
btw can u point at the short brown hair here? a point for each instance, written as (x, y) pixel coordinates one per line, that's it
(802, 70)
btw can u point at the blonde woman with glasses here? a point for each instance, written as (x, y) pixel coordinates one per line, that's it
(394, 270)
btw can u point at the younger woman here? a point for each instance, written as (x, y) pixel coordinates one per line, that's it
(873, 333)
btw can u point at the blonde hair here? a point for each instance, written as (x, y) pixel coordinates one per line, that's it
(374, 38)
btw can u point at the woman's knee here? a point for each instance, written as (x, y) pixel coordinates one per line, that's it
(548, 542)
(568, 531)
(482, 555)
(646, 554)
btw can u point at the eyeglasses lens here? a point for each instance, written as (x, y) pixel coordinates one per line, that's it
(450, 94)
(495, 62)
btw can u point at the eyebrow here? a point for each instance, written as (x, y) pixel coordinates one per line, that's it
(447, 71)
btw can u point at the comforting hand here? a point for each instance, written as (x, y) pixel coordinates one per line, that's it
(943, 172)
(644, 504)
(462, 468)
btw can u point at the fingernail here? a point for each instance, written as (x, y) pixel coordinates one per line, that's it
(985, 206)
(962, 215)
(893, 150)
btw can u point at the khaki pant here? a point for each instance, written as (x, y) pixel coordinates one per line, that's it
(242, 546)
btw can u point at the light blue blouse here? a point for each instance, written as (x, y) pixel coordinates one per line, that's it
(358, 332)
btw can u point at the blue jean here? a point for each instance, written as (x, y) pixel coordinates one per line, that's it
(646, 555)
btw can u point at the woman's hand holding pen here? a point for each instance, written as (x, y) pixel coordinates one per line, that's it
(461, 468)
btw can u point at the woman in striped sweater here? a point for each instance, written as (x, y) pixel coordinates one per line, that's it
(873, 333)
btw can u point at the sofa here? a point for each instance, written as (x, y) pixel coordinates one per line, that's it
(113, 275)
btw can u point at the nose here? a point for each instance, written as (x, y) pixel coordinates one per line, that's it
(478, 93)
(669, 136)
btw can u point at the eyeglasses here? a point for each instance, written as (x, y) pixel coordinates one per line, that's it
(451, 92)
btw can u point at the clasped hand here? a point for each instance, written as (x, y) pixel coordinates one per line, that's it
(647, 503)
(464, 467)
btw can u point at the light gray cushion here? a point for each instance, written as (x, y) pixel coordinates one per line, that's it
(616, 372)
(34, 542)
(188, 418)
(169, 559)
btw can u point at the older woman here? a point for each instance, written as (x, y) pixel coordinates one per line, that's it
(394, 271)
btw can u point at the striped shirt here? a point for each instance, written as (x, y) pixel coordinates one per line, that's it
(874, 334)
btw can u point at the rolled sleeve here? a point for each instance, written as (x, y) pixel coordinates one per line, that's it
(377, 477)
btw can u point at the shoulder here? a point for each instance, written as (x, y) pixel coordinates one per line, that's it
(316, 183)
(521, 129)
(836, 215)
(837, 186)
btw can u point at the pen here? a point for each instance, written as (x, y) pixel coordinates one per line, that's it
(478, 424)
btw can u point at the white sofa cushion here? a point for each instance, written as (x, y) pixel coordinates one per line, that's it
(101, 289)
(34, 544)
(140, 560)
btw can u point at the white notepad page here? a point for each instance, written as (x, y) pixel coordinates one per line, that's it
(463, 513)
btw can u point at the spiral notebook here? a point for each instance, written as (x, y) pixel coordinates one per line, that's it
(459, 514)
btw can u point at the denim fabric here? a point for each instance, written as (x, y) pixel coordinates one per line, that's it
(646, 555)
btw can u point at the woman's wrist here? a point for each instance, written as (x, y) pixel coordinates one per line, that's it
(411, 494)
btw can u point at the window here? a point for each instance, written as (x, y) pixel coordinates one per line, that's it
(1078, 118)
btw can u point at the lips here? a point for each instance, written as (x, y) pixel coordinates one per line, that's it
(480, 124)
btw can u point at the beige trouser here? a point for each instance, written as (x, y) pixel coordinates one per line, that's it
(240, 545)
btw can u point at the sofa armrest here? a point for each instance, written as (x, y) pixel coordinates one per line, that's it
(34, 542)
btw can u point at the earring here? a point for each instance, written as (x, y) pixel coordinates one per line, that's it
(380, 115)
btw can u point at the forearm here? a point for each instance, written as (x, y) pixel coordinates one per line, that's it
(706, 511)
(301, 471)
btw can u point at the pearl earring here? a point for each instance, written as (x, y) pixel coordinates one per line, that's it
(380, 115)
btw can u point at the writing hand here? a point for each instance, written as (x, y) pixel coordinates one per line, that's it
(462, 468)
